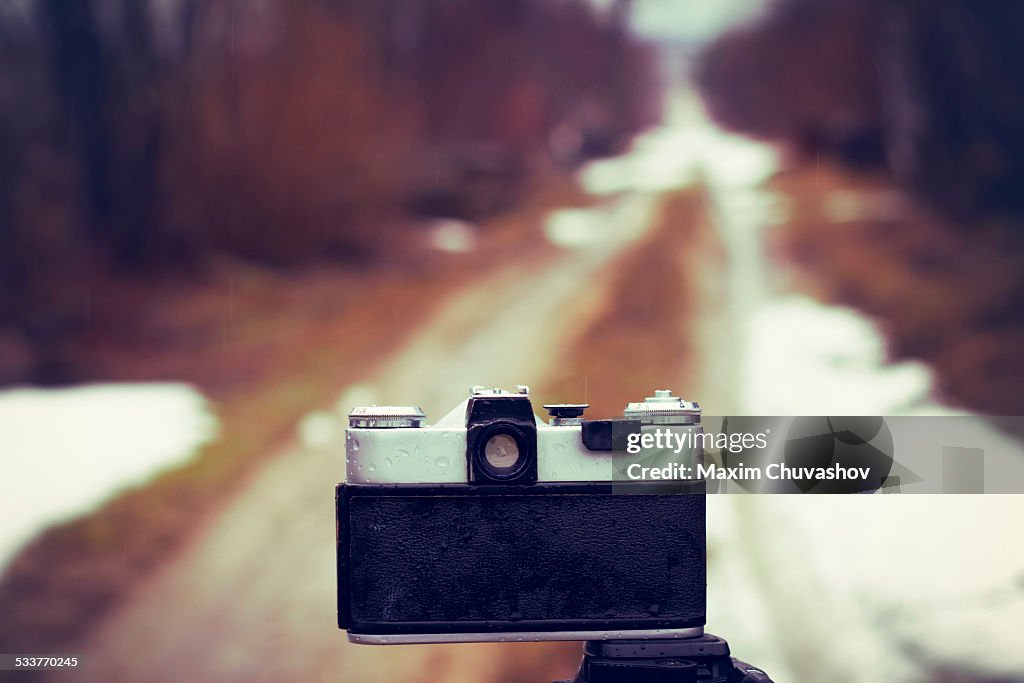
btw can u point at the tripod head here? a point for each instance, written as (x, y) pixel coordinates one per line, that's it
(703, 659)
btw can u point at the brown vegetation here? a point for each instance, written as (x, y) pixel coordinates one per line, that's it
(280, 132)
(944, 296)
(803, 74)
(929, 90)
(289, 149)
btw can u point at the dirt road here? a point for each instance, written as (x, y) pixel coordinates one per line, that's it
(251, 597)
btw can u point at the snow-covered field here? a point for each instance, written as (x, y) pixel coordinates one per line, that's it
(63, 452)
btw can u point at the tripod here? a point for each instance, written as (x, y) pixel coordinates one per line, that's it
(703, 659)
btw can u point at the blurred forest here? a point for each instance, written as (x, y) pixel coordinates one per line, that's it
(147, 139)
(933, 92)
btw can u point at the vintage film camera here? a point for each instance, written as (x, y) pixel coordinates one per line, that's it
(495, 525)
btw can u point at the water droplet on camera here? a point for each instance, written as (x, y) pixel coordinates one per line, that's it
(372, 468)
(403, 453)
(354, 443)
(442, 461)
(387, 462)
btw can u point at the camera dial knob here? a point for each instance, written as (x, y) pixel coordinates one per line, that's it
(663, 408)
(386, 417)
(565, 414)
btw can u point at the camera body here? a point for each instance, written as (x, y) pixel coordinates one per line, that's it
(495, 524)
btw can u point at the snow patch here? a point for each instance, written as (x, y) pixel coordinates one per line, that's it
(64, 452)
(803, 357)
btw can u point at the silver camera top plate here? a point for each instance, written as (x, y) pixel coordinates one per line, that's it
(393, 445)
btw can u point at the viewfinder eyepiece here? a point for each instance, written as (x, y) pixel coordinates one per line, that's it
(501, 452)
(501, 439)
